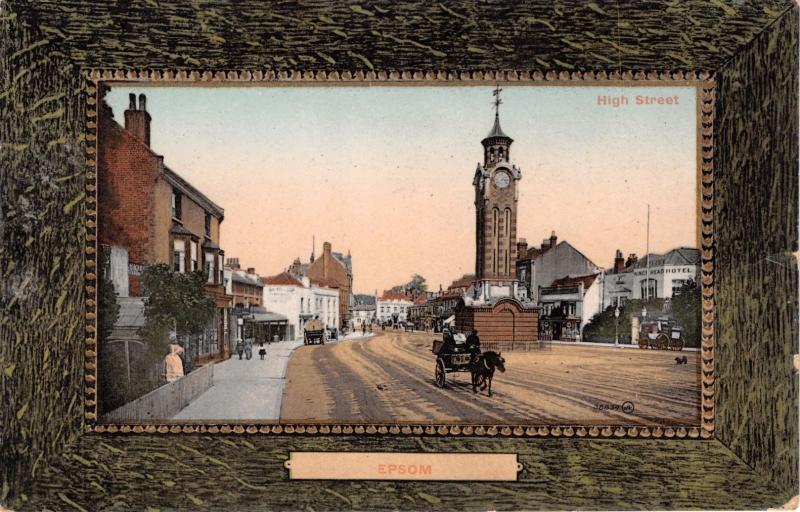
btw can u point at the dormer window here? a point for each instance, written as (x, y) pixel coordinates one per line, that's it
(176, 204)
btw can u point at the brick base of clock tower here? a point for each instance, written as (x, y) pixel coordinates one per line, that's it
(507, 320)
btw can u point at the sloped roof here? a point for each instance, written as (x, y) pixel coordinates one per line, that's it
(282, 279)
(324, 281)
(363, 298)
(390, 295)
(587, 281)
(464, 281)
(497, 132)
(677, 256)
(240, 276)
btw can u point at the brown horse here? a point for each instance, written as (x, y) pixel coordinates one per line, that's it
(483, 370)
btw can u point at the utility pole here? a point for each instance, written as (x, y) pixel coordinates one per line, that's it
(647, 255)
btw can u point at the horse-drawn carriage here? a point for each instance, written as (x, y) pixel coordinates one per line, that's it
(314, 332)
(451, 356)
(661, 334)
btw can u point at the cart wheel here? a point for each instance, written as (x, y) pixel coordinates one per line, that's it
(662, 342)
(676, 345)
(441, 375)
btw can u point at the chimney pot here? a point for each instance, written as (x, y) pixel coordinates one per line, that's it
(132, 101)
(143, 102)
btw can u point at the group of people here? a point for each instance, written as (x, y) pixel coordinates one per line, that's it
(246, 348)
(472, 343)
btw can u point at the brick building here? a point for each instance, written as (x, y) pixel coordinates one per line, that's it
(157, 216)
(332, 266)
(244, 286)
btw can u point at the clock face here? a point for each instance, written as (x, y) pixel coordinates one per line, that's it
(501, 179)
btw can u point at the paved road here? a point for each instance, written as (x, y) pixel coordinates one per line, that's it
(245, 390)
(390, 379)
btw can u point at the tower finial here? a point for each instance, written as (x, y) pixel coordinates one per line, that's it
(313, 247)
(497, 100)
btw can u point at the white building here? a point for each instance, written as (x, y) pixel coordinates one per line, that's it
(300, 300)
(393, 307)
(568, 305)
(666, 275)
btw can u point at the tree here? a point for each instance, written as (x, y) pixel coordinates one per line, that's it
(687, 310)
(173, 301)
(416, 286)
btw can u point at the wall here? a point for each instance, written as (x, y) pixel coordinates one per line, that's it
(556, 263)
(494, 323)
(756, 218)
(167, 400)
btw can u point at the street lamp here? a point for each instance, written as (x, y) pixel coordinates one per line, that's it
(616, 326)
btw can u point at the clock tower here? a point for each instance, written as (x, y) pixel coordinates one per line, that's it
(495, 182)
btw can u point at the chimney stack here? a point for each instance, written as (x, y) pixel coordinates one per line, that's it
(137, 120)
(632, 259)
(326, 248)
(545, 244)
(233, 263)
(251, 270)
(522, 248)
(553, 239)
(619, 262)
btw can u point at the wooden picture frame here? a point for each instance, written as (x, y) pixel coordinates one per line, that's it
(52, 455)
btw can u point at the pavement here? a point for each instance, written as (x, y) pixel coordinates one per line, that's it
(245, 390)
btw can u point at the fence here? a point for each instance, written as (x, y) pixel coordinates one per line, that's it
(515, 346)
(167, 401)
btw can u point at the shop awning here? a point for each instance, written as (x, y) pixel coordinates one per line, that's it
(268, 318)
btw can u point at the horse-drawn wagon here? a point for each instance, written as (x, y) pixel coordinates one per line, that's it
(661, 334)
(451, 356)
(314, 332)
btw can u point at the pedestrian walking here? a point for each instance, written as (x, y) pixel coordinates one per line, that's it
(173, 365)
(239, 347)
(262, 352)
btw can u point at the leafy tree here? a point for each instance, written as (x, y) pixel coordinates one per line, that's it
(113, 387)
(417, 285)
(687, 310)
(173, 301)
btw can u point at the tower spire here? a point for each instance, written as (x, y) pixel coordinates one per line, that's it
(497, 101)
(313, 247)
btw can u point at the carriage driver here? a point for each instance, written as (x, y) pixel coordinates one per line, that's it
(474, 345)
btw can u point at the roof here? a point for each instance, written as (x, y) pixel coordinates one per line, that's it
(347, 261)
(390, 295)
(324, 281)
(464, 281)
(268, 317)
(282, 279)
(497, 132)
(364, 307)
(363, 298)
(587, 281)
(677, 256)
(191, 192)
(240, 276)
(179, 229)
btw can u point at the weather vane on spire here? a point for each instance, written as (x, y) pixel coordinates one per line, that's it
(497, 100)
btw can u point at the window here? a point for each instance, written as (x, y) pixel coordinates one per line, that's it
(677, 284)
(179, 256)
(220, 268)
(176, 204)
(210, 270)
(649, 291)
(208, 225)
(193, 246)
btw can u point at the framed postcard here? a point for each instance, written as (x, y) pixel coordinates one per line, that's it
(385, 256)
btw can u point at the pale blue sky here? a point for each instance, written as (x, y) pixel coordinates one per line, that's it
(387, 171)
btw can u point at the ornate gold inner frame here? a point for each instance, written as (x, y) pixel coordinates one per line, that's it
(705, 85)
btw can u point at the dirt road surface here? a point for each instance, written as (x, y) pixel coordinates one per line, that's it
(390, 379)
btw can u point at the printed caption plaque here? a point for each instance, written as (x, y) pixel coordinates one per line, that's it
(496, 467)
